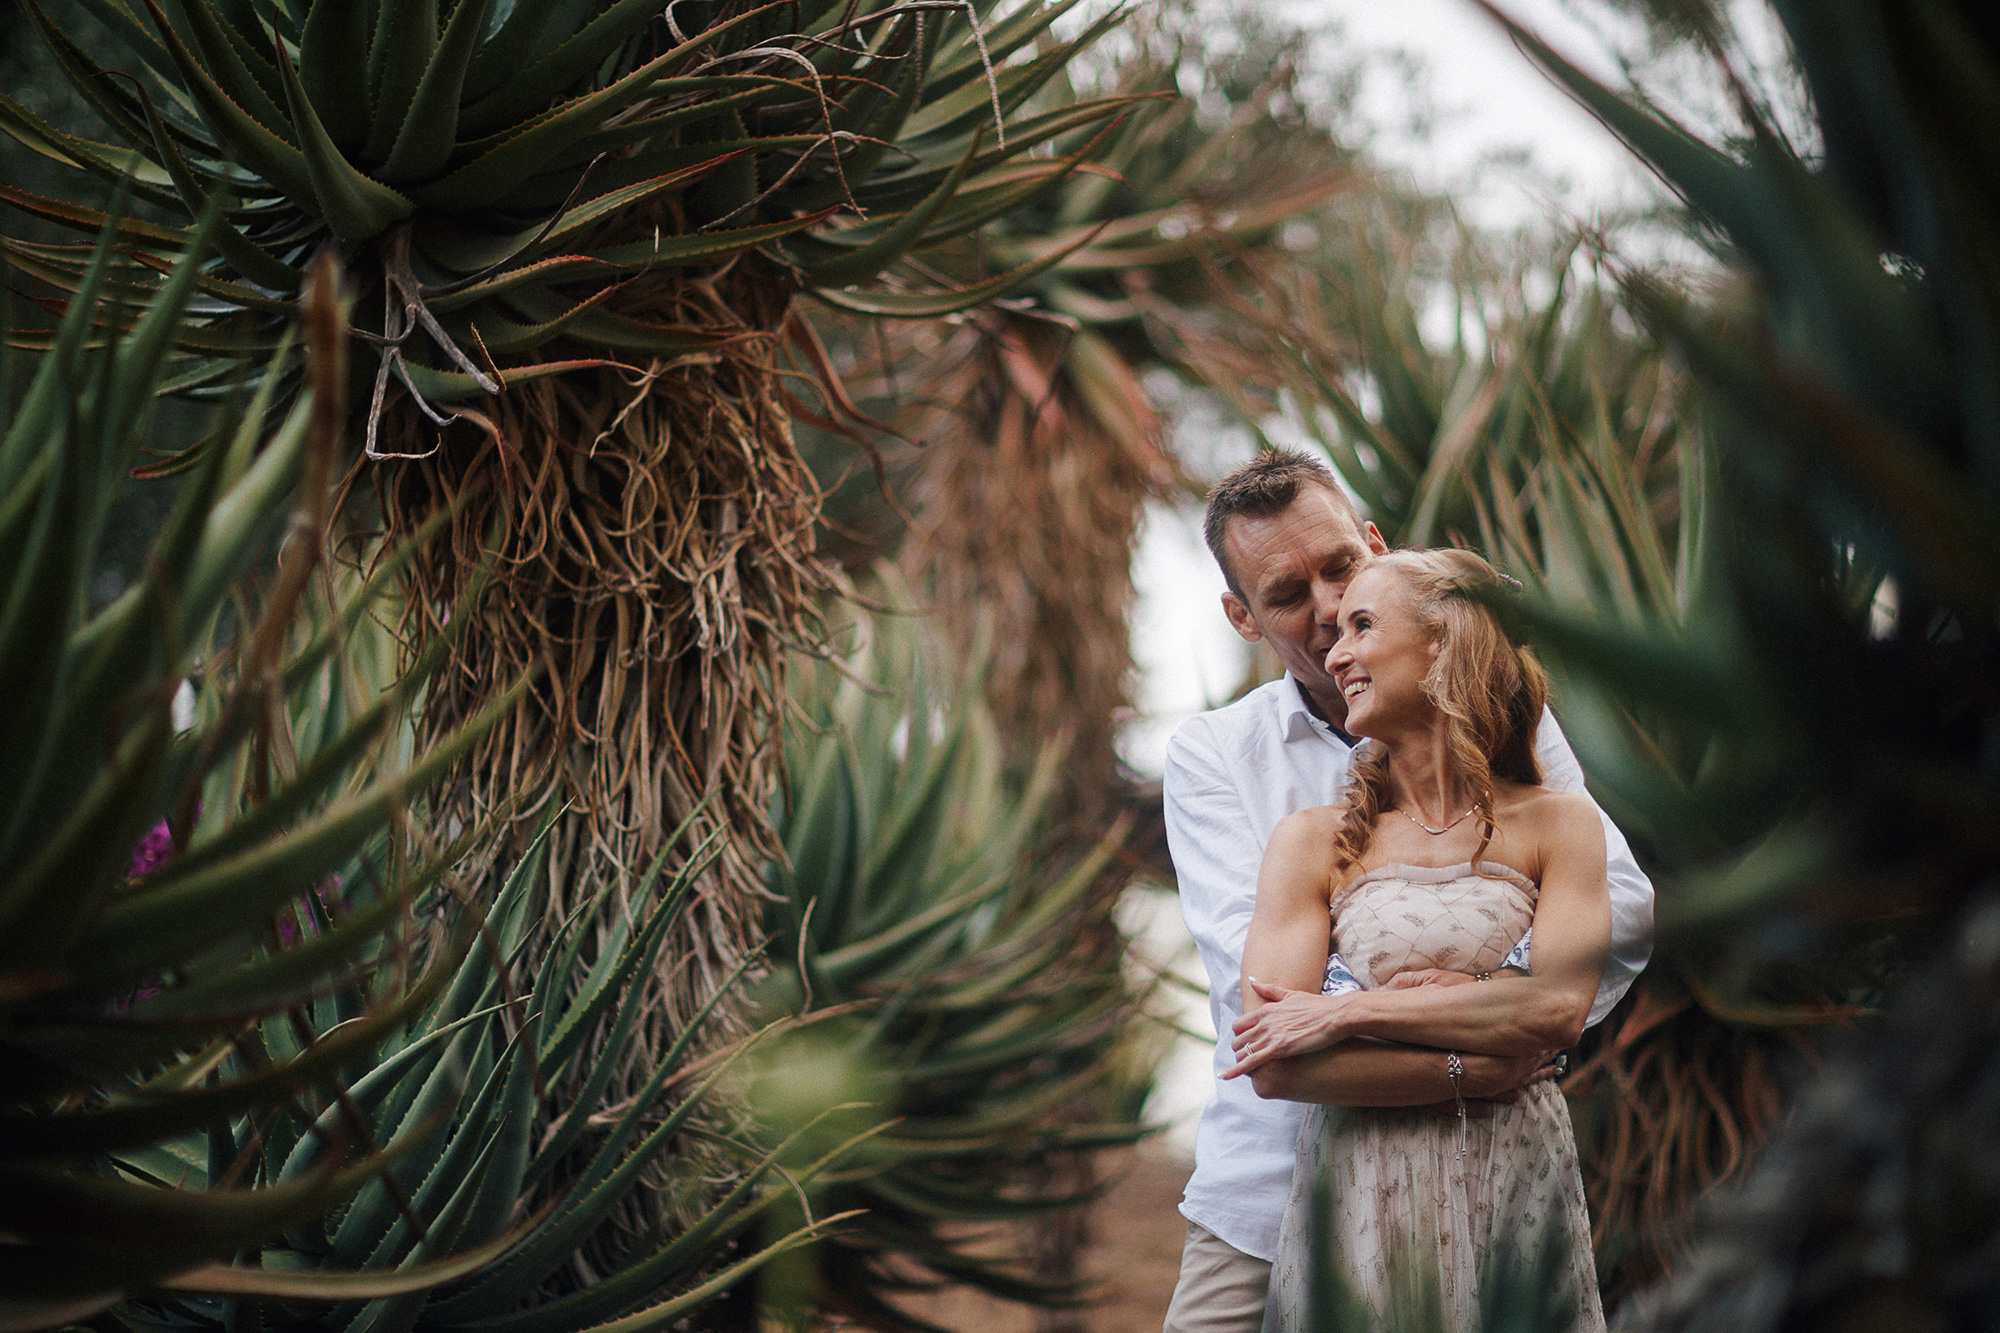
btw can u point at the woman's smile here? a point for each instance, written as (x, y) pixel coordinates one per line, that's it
(1380, 660)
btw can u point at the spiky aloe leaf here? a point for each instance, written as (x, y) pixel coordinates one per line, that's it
(355, 205)
(441, 126)
(911, 892)
(81, 1236)
(88, 1074)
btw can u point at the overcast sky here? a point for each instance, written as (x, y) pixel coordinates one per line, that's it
(1486, 100)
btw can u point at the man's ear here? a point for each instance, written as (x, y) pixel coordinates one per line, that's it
(1373, 536)
(1239, 618)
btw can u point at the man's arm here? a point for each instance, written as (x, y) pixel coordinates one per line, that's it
(1215, 852)
(1631, 891)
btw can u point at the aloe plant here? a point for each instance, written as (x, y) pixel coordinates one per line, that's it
(574, 234)
(913, 897)
(496, 173)
(240, 1081)
(495, 1188)
(128, 988)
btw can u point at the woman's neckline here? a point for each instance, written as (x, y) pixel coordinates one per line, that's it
(1439, 874)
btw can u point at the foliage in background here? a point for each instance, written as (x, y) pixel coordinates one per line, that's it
(915, 898)
(1835, 678)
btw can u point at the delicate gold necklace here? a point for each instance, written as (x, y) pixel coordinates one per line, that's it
(1436, 832)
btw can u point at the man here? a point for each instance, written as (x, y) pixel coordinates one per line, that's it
(1289, 542)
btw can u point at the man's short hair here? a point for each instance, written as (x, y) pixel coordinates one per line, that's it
(1264, 486)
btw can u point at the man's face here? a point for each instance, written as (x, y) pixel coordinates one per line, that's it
(1293, 567)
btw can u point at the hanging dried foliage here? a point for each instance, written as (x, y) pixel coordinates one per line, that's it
(1026, 507)
(1679, 1102)
(655, 533)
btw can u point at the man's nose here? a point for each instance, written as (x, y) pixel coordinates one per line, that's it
(1326, 602)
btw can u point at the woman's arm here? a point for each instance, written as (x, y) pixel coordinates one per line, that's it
(1376, 1073)
(1289, 928)
(1514, 1016)
(1290, 931)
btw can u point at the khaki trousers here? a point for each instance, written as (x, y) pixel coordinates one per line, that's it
(1221, 1289)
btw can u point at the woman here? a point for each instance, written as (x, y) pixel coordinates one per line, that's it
(1443, 851)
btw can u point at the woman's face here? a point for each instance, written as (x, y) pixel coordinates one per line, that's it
(1381, 657)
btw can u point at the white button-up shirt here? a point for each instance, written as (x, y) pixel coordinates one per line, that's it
(1231, 775)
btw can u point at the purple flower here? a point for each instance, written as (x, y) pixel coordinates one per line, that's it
(154, 850)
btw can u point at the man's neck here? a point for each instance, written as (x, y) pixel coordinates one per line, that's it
(1334, 716)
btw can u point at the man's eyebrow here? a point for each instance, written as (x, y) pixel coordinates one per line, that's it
(1282, 583)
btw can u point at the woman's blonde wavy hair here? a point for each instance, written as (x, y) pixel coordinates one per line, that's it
(1490, 689)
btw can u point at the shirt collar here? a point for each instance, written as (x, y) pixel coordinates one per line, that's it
(1297, 718)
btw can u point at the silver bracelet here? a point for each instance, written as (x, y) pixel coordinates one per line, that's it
(1454, 1068)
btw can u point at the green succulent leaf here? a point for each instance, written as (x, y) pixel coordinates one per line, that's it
(930, 305)
(430, 125)
(355, 206)
(333, 47)
(319, 1285)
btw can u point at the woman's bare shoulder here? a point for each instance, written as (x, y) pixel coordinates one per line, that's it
(1558, 823)
(1296, 858)
(1546, 815)
(1315, 822)
(1538, 802)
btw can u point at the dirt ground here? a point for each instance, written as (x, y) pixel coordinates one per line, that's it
(1134, 1256)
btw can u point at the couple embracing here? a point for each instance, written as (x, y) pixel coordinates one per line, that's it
(1407, 908)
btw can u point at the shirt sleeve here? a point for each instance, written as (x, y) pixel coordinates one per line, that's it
(1631, 891)
(1216, 858)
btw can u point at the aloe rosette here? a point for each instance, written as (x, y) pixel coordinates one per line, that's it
(126, 983)
(497, 176)
(917, 908)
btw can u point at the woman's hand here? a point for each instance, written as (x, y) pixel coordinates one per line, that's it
(1291, 1022)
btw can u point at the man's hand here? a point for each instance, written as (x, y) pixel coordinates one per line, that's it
(1291, 1022)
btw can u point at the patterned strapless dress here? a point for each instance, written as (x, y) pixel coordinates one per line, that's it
(1415, 1227)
